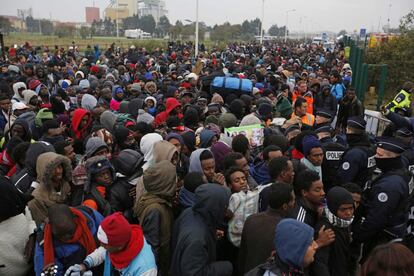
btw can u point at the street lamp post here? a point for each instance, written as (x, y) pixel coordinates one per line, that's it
(196, 32)
(117, 18)
(261, 24)
(286, 26)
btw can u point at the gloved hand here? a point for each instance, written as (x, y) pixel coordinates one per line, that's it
(87, 273)
(74, 270)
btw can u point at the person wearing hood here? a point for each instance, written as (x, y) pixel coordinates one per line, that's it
(124, 139)
(20, 128)
(335, 259)
(325, 100)
(97, 189)
(32, 100)
(81, 120)
(207, 138)
(117, 97)
(150, 88)
(194, 235)
(154, 210)
(95, 146)
(357, 163)
(202, 161)
(151, 104)
(54, 174)
(147, 148)
(312, 149)
(164, 150)
(295, 250)
(178, 142)
(105, 97)
(88, 102)
(128, 167)
(135, 105)
(385, 201)
(16, 225)
(18, 89)
(108, 120)
(172, 108)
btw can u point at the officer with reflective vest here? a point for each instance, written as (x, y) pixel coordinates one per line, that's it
(385, 200)
(357, 163)
(402, 102)
(332, 156)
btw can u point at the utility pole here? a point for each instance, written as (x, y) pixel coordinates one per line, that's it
(286, 26)
(117, 18)
(261, 24)
(196, 33)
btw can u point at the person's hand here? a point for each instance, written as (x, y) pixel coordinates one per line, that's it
(75, 270)
(219, 179)
(325, 237)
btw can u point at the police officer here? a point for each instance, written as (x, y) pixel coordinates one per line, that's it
(385, 200)
(357, 163)
(332, 156)
(402, 103)
(323, 118)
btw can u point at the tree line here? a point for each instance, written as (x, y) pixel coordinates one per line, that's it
(245, 31)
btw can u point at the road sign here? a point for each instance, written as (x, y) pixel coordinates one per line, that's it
(362, 33)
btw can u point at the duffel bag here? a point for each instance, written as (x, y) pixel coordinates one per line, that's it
(231, 85)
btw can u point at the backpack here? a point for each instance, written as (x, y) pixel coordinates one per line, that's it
(122, 119)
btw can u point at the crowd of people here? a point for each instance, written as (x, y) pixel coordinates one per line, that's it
(122, 162)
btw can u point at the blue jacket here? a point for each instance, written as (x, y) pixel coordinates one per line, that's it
(67, 254)
(143, 262)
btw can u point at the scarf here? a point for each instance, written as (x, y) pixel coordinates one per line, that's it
(335, 221)
(82, 235)
(310, 166)
(123, 258)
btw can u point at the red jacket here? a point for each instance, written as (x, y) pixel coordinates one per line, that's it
(162, 117)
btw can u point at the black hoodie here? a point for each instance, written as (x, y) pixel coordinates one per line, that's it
(194, 235)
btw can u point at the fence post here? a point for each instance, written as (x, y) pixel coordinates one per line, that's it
(381, 85)
(364, 81)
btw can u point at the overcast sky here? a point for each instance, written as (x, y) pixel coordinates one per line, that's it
(317, 15)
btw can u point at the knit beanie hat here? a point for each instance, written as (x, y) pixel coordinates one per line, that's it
(114, 230)
(227, 120)
(338, 196)
(310, 142)
(93, 145)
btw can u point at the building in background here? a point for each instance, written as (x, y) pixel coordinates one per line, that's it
(92, 14)
(121, 10)
(156, 8)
